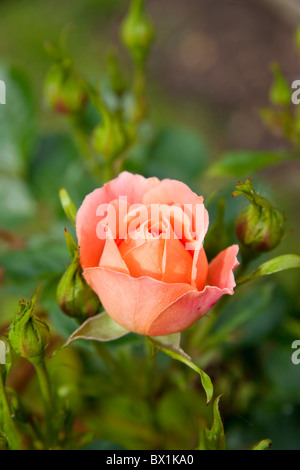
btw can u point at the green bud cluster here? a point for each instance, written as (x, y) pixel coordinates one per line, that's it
(63, 89)
(260, 226)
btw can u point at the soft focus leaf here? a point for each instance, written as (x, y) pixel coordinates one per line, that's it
(170, 346)
(216, 238)
(98, 328)
(17, 121)
(250, 319)
(55, 165)
(16, 202)
(263, 445)
(214, 438)
(174, 153)
(274, 265)
(243, 162)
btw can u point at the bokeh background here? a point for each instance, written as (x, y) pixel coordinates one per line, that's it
(208, 75)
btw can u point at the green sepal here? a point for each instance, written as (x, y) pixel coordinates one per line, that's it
(71, 245)
(68, 205)
(101, 327)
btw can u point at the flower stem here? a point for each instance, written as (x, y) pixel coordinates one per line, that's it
(14, 436)
(47, 397)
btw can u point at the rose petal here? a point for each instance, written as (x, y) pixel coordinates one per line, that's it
(200, 269)
(127, 185)
(134, 303)
(143, 259)
(220, 269)
(111, 258)
(175, 192)
(185, 311)
(177, 262)
(132, 186)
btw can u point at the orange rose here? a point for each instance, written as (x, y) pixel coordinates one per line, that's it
(141, 250)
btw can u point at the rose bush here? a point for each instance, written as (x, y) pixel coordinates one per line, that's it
(141, 250)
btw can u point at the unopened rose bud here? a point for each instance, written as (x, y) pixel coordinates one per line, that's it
(28, 335)
(63, 89)
(137, 31)
(110, 137)
(75, 298)
(260, 226)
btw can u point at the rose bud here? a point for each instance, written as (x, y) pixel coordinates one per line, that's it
(110, 137)
(260, 226)
(137, 31)
(75, 298)
(63, 89)
(141, 251)
(28, 335)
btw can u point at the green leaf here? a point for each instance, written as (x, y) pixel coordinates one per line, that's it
(274, 265)
(243, 162)
(280, 92)
(263, 445)
(170, 345)
(68, 205)
(98, 328)
(214, 438)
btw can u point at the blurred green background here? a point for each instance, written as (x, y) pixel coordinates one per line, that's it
(208, 75)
